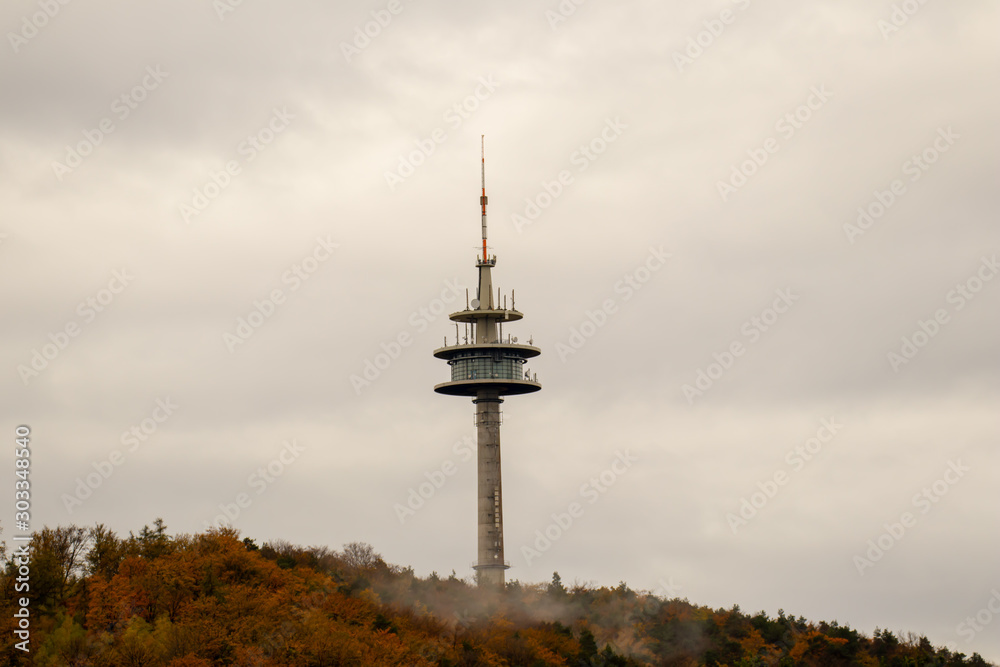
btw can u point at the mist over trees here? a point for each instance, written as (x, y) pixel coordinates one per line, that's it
(154, 599)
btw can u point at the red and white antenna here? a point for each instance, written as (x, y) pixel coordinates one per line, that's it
(482, 199)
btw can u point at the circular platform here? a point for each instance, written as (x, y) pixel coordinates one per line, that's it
(499, 314)
(502, 387)
(514, 349)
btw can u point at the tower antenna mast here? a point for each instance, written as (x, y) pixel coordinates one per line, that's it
(482, 199)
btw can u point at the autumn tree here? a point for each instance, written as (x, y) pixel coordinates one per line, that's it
(360, 556)
(57, 559)
(105, 552)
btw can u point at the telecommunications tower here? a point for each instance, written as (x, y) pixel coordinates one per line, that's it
(486, 367)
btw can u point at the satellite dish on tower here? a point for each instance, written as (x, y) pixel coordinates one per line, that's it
(475, 303)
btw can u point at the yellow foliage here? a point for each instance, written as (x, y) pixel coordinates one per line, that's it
(752, 644)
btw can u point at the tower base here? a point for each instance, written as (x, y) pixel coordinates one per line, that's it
(490, 576)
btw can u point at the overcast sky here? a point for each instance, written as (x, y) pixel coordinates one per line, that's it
(215, 214)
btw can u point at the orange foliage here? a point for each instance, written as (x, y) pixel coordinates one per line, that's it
(211, 599)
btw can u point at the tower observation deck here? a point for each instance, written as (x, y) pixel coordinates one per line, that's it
(486, 367)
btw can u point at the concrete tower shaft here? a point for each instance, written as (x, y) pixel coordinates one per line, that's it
(486, 327)
(491, 564)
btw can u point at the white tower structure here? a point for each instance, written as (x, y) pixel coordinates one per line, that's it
(486, 367)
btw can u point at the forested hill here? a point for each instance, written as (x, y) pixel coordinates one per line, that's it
(152, 599)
